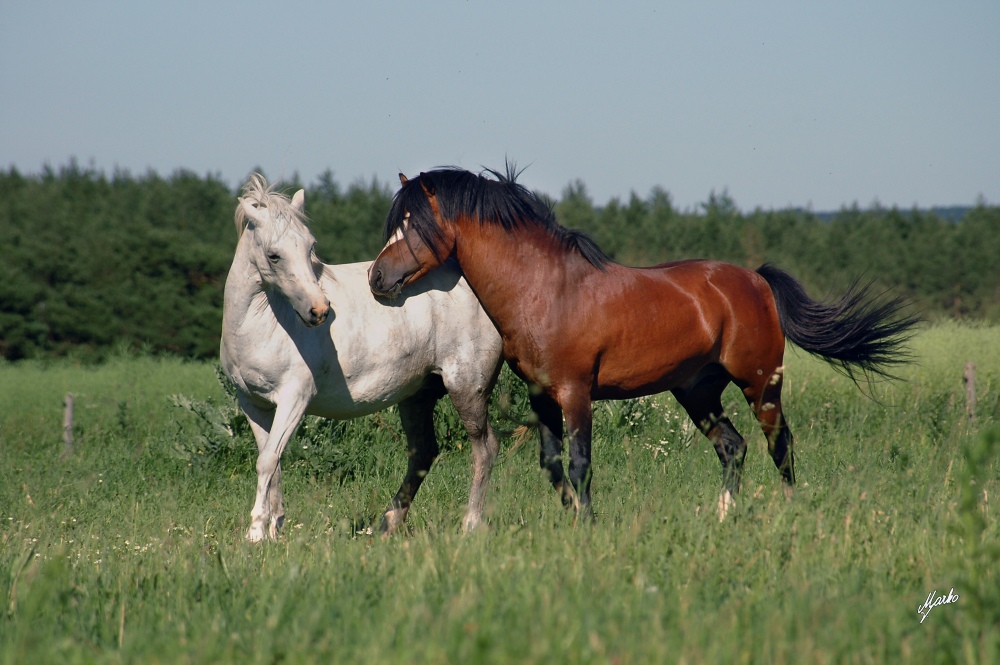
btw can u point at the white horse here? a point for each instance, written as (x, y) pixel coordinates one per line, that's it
(301, 337)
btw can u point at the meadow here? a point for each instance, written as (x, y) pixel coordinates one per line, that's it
(129, 546)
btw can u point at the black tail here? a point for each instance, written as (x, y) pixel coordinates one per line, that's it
(855, 332)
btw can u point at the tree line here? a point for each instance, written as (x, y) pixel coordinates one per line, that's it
(92, 262)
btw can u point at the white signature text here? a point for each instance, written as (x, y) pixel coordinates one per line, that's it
(933, 602)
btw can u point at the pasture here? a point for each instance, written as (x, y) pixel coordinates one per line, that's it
(130, 547)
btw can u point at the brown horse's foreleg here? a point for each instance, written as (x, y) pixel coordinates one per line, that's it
(550, 430)
(417, 416)
(704, 405)
(579, 422)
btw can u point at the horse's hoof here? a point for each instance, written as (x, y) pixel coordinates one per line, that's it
(726, 503)
(392, 519)
(470, 523)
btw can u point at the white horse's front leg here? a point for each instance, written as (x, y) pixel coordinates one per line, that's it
(268, 512)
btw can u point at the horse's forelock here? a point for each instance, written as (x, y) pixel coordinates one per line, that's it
(257, 191)
(411, 209)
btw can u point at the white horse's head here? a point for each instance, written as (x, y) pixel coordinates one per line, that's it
(282, 248)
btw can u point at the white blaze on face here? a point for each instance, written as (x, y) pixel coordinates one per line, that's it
(398, 235)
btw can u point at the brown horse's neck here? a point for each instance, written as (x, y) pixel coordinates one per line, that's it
(517, 274)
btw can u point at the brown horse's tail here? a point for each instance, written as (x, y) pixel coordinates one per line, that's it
(855, 332)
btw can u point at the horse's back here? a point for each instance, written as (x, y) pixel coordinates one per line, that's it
(739, 312)
(731, 300)
(668, 321)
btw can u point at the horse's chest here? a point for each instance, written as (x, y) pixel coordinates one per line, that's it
(256, 382)
(261, 372)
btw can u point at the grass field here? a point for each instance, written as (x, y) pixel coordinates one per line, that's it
(130, 548)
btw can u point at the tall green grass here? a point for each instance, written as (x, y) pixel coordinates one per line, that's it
(130, 548)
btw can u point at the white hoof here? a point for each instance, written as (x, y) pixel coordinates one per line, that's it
(470, 523)
(392, 520)
(726, 502)
(256, 534)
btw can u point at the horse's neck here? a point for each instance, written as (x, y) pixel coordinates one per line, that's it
(523, 282)
(244, 289)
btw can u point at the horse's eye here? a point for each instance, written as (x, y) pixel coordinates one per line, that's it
(273, 258)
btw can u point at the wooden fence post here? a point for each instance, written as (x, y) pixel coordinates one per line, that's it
(68, 424)
(969, 379)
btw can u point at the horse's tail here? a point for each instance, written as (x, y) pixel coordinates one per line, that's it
(855, 332)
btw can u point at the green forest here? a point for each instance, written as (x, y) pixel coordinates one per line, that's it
(93, 263)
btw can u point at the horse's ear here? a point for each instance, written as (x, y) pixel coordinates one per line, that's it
(250, 210)
(403, 179)
(299, 200)
(427, 185)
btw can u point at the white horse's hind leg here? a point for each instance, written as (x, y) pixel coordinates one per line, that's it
(485, 448)
(471, 402)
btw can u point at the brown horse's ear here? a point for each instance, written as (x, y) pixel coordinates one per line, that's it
(403, 179)
(427, 185)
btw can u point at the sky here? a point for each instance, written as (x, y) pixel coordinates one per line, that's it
(780, 104)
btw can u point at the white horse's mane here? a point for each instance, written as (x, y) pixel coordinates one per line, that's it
(261, 195)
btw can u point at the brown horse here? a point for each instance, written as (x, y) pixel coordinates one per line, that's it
(581, 327)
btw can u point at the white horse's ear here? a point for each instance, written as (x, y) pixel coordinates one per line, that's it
(251, 210)
(299, 200)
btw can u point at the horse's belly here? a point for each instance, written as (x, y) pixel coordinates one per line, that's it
(360, 393)
(345, 407)
(641, 368)
(640, 384)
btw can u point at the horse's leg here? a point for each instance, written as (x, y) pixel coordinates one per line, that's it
(471, 402)
(260, 424)
(765, 400)
(579, 422)
(703, 404)
(417, 415)
(550, 432)
(272, 429)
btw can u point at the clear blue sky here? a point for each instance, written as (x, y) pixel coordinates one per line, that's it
(781, 103)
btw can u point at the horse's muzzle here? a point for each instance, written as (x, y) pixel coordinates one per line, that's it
(377, 284)
(317, 315)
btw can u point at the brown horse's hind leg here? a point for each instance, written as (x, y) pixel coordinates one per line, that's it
(550, 430)
(703, 404)
(765, 401)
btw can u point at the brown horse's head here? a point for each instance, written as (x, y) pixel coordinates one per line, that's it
(418, 239)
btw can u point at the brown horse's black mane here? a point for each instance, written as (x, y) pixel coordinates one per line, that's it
(498, 200)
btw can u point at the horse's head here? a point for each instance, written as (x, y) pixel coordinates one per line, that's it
(282, 248)
(418, 238)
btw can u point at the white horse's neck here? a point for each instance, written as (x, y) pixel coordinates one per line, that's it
(243, 285)
(251, 312)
